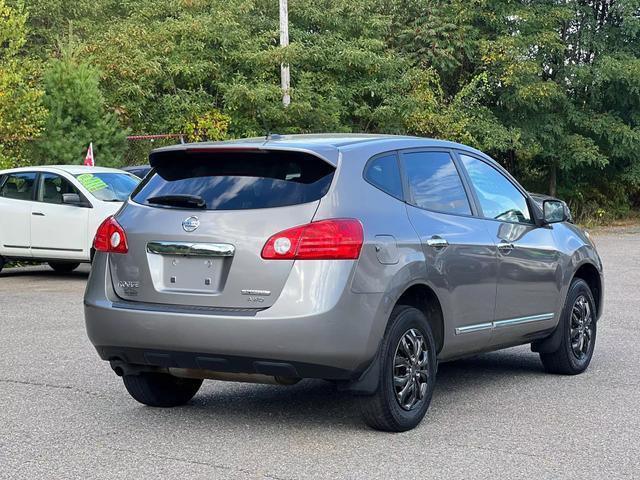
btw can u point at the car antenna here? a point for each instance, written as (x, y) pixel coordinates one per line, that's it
(265, 125)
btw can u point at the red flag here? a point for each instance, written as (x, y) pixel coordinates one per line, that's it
(88, 160)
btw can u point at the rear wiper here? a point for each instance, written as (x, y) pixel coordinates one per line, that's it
(179, 200)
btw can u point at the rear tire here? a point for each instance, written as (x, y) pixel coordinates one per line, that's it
(2, 263)
(404, 369)
(578, 324)
(64, 267)
(161, 389)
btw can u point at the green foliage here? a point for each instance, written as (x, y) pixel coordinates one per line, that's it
(550, 88)
(554, 89)
(21, 110)
(161, 69)
(77, 115)
(211, 126)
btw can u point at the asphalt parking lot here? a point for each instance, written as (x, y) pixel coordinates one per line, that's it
(64, 414)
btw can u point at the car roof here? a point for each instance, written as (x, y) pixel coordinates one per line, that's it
(136, 167)
(71, 169)
(324, 145)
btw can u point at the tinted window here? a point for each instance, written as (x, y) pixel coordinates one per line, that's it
(498, 197)
(109, 187)
(434, 182)
(19, 186)
(239, 180)
(52, 187)
(383, 173)
(140, 172)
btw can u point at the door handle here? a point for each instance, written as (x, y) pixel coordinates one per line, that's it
(39, 214)
(437, 242)
(505, 247)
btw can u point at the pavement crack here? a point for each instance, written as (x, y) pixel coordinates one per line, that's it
(200, 462)
(50, 385)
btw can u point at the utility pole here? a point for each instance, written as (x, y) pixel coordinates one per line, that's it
(285, 75)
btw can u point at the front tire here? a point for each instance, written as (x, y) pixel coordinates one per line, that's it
(2, 263)
(578, 339)
(161, 389)
(64, 267)
(407, 374)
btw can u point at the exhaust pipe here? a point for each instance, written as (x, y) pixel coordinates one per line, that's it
(233, 377)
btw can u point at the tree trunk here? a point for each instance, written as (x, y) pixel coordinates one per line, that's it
(553, 179)
(512, 163)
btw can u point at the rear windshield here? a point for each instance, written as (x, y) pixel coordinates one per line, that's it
(237, 180)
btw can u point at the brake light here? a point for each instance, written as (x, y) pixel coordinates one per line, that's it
(110, 237)
(337, 239)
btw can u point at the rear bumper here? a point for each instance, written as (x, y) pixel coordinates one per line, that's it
(332, 333)
(220, 363)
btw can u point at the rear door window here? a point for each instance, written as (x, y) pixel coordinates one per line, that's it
(383, 172)
(19, 186)
(434, 182)
(236, 180)
(53, 187)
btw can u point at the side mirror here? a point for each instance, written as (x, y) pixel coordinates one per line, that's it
(72, 199)
(554, 211)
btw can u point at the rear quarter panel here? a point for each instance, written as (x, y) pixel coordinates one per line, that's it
(391, 258)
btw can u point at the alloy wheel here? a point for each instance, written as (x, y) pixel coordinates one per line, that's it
(411, 369)
(581, 332)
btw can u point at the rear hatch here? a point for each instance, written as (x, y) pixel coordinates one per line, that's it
(195, 228)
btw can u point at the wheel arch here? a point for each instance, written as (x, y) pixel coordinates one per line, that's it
(418, 295)
(590, 274)
(424, 298)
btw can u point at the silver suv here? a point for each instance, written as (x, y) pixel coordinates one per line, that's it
(360, 259)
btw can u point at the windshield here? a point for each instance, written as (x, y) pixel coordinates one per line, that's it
(109, 187)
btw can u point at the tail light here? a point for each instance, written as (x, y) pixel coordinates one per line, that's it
(110, 237)
(337, 239)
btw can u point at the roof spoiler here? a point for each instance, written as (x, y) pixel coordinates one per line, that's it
(178, 153)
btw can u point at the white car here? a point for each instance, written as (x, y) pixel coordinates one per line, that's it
(52, 213)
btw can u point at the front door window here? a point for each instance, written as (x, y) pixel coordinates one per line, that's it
(498, 197)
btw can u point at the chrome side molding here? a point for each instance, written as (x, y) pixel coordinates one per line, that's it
(190, 249)
(503, 323)
(517, 321)
(474, 328)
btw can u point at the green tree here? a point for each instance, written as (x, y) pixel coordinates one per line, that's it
(550, 88)
(77, 115)
(163, 66)
(47, 18)
(162, 61)
(345, 77)
(21, 110)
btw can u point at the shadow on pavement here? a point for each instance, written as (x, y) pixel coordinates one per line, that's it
(45, 272)
(318, 403)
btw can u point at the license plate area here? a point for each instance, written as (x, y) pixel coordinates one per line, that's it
(191, 274)
(189, 268)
